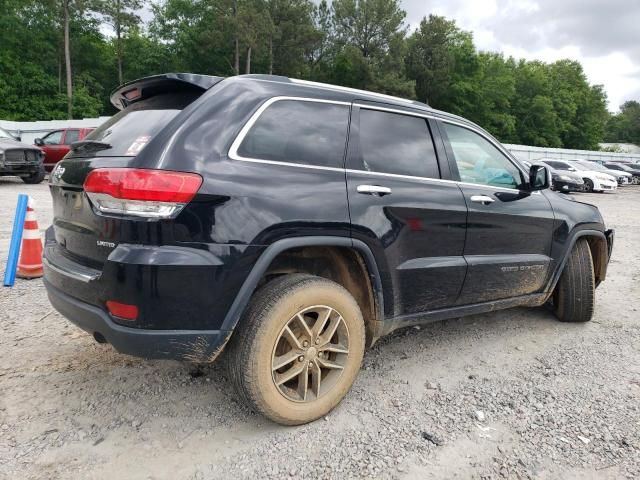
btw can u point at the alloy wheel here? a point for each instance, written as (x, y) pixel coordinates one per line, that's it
(310, 354)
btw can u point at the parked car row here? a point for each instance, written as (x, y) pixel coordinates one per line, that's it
(56, 144)
(31, 162)
(589, 176)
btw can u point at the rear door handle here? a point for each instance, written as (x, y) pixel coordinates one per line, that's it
(374, 190)
(483, 199)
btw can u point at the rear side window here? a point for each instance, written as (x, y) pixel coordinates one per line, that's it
(302, 132)
(130, 130)
(558, 165)
(397, 144)
(71, 136)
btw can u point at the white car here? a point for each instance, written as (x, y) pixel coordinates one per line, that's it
(622, 177)
(594, 181)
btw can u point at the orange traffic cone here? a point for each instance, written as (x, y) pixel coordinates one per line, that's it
(30, 263)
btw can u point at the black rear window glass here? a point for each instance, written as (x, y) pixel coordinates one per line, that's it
(398, 144)
(131, 129)
(304, 132)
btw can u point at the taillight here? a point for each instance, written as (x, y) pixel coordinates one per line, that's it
(122, 310)
(141, 192)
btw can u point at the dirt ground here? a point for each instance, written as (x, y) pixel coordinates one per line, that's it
(512, 394)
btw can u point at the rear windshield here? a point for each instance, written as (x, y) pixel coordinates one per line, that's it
(130, 130)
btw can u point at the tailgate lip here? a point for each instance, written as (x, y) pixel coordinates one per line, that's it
(63, 266)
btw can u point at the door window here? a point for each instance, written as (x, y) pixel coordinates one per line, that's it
(302, 132)
(397, 144)
(53, 138)
(479, 161)
(71, 137)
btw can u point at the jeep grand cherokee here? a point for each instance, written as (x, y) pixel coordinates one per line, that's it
(296, 223)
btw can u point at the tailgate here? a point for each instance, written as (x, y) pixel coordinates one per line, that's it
(80, 233)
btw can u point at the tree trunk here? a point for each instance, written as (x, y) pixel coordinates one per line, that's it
(270, 55)
(67, 60)
(59, 72)
(119, 42)
(248, 69)
(236, 43)
(236, 62)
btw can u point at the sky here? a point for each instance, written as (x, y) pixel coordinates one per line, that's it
(604, 35)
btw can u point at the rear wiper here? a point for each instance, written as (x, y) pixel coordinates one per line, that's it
(89, 145)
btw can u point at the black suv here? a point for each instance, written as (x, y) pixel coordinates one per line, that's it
(297, 223)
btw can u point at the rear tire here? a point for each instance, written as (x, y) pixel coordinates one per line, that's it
(574, 296)
(35, 177)
(320, 357)
(588, 185)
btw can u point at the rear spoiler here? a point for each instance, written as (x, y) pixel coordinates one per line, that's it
(147, 87)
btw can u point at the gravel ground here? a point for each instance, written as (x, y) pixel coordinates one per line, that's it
(512, 394)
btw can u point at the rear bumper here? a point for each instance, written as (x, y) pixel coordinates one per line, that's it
(198, 346)
(174, 287)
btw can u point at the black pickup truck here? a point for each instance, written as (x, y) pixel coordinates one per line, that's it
(20, 160)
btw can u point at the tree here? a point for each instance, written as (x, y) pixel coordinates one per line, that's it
(442, 60)
(369, 25)
(536, 117)
(495, 89)
(292, 36)
(122, 17)
(625, 125)
(369, 41)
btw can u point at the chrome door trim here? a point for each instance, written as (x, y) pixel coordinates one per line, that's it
(234, 155)
(483, 199)
(374, 190)
(233, 151)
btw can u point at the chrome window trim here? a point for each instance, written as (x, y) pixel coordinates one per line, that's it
(233, 151)
(234, 155)
(497, 145)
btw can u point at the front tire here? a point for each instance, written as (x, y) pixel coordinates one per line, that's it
(574, 296)
(298, 349)
(588, 185)
(35, 177)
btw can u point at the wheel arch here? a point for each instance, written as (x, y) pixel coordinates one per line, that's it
(276, 260)
(599, 252)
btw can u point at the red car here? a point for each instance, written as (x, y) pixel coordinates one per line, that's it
(56, 144)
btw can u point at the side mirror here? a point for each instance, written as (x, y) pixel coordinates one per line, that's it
(38, 142)
(539, 178)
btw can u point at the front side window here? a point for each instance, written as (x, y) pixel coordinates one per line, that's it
(301, 132)
(53, 138)
(397, 144)
(479, 161)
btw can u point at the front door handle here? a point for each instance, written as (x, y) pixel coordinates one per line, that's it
(374, 190)
(483, 199)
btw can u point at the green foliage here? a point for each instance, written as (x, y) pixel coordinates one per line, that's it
(357, 43)
(625, 125)
(442, 59)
